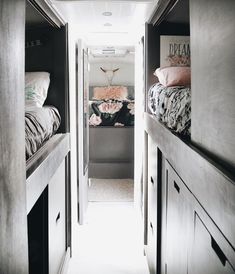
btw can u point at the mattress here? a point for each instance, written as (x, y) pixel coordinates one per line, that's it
(111, 113)
(40, 124)
(172, 107)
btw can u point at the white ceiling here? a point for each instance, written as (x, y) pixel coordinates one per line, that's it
(128, 18)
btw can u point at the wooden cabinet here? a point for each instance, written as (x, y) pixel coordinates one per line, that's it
(38, 236)
(152, 206)
(56, 220)
(178, 223)
(207, 255)
(198, 206)
(182, 238)
(192, 246)
(47, 227)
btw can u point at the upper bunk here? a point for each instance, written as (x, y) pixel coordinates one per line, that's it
(177, 97)
(205, 158)
(46, 96)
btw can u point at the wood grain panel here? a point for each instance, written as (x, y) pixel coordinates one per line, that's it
(57, 219)
(43, 165)
(213, 81)
(153, 183)
(212, 186)
(179, 223)
(207, 256)
(13, 217)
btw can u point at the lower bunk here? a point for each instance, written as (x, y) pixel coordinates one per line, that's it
(188, 205)
(48, 207)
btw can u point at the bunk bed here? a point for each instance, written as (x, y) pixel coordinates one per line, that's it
(47, 142)
(189, 184)
(111, 131)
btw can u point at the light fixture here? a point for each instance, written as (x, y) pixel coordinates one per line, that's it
(107, 24)
(107, 13)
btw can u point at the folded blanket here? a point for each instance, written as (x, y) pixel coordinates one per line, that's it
(171, 106)
(40, 124)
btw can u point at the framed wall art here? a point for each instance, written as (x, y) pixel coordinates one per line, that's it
(174, 51)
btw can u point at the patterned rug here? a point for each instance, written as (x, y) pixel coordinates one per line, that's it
(111, 190)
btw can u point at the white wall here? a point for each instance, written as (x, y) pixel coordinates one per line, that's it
(75, 98)
(139, 122)
(73, 141)
(124, 76)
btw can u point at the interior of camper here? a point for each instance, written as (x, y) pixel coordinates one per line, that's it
(117, 126)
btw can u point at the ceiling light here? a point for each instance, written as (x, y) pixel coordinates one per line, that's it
(107, 25)
(107, 13)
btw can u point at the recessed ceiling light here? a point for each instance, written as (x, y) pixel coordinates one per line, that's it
(107, 13)
(107, 25)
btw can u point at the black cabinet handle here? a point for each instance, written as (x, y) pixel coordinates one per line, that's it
(58, 217)
(152, 181)
(151, 225)
(176, 187)
(218, 251)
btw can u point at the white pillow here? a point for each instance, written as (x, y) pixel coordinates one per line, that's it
(36, 87)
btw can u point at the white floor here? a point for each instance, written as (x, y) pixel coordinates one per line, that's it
(110, 242)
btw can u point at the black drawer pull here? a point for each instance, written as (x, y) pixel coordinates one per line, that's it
(152, 181)
(218, 251)
(176, 187)
(58, 217)
(151, 226)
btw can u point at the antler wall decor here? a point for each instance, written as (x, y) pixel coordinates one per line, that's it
(109, 73)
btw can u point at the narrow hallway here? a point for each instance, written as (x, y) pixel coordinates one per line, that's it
(110, 241)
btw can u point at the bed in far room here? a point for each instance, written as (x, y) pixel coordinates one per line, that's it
(111, 132)
(111, 106)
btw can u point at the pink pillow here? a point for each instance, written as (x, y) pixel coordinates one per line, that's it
(174, 76)
(112, 92)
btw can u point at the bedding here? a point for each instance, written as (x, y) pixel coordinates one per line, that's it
(40, 124)
(36, 88)
(111, 113)
(130, 93)
(111, 92)
(172, 107)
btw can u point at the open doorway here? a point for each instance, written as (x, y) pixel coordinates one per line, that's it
(111, 124)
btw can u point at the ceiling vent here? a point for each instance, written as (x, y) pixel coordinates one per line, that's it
(108, 52)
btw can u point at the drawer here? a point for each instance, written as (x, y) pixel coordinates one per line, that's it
(153, 202)
(152, 247)
(208, 255)
(179, 222)
(56, 219)
(152, 180)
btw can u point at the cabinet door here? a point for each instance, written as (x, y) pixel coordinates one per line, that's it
(178, 223)
(56, 218)
(152, 205)
(207, 256)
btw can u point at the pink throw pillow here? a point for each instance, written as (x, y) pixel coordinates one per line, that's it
(112, 92)
(174, 76)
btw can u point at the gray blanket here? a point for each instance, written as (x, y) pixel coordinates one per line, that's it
(40, 125)
(171, 106)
